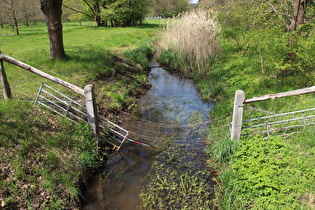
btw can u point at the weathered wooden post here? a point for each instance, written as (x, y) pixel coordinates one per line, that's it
(237, 115)
(5, 83)
(91, 109)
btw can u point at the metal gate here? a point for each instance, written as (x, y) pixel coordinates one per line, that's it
(61, 104)
(75, 111)
(279, 124)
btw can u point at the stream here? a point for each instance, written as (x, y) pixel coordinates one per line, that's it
(171, 117)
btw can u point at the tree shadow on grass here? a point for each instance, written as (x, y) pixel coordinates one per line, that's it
(86, 61)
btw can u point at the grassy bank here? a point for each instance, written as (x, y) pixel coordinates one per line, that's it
(45, 159)
(259, 173)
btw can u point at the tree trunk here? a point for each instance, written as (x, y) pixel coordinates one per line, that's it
(98, 21)
(52, 12)
(298, 15)
(97, 11)
(16, 26)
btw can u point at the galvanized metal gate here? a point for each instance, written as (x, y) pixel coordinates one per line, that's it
(61, 104)
(279, 124)
(274, 124)
(76, 111)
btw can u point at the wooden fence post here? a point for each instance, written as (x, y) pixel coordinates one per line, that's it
(237, 115)
(91, 109)
(5, 83)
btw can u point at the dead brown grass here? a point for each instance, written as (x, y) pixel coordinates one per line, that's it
(193, 36)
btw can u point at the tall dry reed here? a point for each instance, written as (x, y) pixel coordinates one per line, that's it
(193, 38)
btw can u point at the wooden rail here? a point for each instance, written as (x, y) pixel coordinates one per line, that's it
(40, 73)
(240, 100)
(87, 92)
(280, 95)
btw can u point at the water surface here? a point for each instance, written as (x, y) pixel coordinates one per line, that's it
(170, 116)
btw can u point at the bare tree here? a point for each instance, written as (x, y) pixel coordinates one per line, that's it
(14, 12)
(9, 10)
(52, 10)
(29, 11)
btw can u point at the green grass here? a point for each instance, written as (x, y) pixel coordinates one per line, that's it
(34, 38)
(40, 156)
(90, 52)
(45, 158)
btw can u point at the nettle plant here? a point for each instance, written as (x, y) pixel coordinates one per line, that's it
(267, 173)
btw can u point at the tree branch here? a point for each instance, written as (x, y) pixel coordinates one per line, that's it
(91, 8)
(274, 9)
(73, 9)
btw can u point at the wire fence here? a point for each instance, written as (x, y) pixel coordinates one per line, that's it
(125, 127)
(190, 136)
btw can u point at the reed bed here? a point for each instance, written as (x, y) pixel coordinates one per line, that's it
(192, 37)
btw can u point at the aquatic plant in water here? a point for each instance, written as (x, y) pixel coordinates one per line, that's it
(177, 184)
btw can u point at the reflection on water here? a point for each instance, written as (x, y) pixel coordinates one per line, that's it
(172, 105)
(171, 99)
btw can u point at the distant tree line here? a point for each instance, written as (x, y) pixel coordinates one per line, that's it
(15, 12)
(121, 13)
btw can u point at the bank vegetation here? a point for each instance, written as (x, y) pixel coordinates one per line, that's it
(261, 47)
(46, 160)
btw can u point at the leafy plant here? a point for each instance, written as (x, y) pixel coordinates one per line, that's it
(173, 187)
(266, 173)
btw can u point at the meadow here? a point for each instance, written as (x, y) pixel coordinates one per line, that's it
(45, 160)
